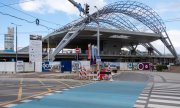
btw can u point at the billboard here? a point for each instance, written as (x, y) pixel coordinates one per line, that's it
(35, 51)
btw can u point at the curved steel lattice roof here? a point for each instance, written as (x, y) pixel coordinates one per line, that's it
(129, 16)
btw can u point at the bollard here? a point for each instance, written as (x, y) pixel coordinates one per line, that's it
(111, 79)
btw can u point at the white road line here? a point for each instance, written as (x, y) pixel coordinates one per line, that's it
(142, 97)
(10, 105)
(166, 88)
(161, 106)
(58, 91)
(162, 96)
(65, 89)
(49, 94)
(177, 91)
(141, 101)
(165, 101)
(139, 106)
(144, 94)
(39, 97)
(165, 93)
(26, 101)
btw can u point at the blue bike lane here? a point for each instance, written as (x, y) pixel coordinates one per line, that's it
(119, 94)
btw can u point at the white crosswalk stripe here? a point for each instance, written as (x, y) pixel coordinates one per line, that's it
(162, 95)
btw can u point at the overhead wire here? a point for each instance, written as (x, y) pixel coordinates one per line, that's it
(17, 3)
(29, 14)
(25, 20)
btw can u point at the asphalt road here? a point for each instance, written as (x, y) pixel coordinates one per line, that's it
(13, 90)
(131, 76)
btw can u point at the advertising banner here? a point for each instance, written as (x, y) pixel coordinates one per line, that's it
(35, 51)
(51, 66)
(89, 51)
(19, 66)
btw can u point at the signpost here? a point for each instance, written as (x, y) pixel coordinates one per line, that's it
(77, 53)
(19, 66)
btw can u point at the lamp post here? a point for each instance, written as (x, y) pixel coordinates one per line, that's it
(16, 43)
(98, 36)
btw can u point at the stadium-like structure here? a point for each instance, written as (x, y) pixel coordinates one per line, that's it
(124, 23)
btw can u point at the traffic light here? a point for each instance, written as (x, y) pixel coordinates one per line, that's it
(86, 8)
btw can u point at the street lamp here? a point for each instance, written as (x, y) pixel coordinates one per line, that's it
(98, 36)
(16, 43)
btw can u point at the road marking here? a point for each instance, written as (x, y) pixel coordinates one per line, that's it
(161, 106)
(20, 90)
(165, 93)
(10, 105)
(26, 101)
(58, 91)
(64, 83)
(139, 106)
(172, 91)
(28, 97)
(49, 94)
(164, 101)
(141, 101)
(39, 97)
(162, 96)
(49, 89)
(142, 97)
(144, 94)
(41, 82)
(65, 89)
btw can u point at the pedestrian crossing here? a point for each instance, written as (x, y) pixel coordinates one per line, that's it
(159, 95)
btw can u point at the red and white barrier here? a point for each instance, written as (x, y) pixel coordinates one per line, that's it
(83, 73)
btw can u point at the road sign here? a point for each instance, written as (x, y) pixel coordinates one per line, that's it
(77, 50)
(98, 59)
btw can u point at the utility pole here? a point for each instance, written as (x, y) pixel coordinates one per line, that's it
(16, 44)
(86, 12)
(98, 36)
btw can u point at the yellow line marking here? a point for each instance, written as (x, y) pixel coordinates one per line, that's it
(49, 89)
(10, 102)
(63, 83)
(41, 82)
(20, 90)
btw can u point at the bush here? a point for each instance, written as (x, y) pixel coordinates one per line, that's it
(161, 67)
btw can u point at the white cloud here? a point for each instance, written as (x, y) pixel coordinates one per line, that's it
(50, 6)
(172, 6)
(174, 36)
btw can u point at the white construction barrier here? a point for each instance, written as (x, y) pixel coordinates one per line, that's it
(11, 66)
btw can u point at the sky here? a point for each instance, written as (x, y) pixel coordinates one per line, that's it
(56, 13)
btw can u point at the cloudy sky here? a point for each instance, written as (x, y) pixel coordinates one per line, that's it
(56, 13)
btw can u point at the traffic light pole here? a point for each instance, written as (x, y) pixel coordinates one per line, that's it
(86, 12)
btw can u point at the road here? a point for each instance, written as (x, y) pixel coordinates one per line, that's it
(14, 90)
(130, 89)
(162, 92)
(104, 94)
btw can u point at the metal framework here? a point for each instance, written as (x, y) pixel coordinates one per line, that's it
(122, 15)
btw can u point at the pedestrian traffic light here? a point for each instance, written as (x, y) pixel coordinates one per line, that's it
(87, 9)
